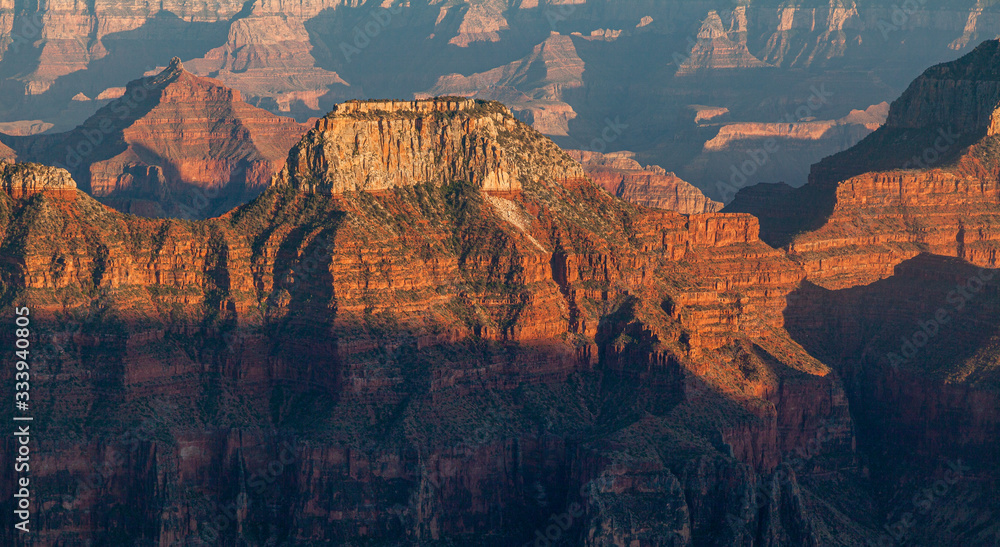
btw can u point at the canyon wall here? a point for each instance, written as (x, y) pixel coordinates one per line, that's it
(897, 237)
(429, 359)
(924, 182)
(651, 186)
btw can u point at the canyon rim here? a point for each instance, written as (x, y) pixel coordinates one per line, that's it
(537, 296)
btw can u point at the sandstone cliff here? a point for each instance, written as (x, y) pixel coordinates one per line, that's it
(415, 359)
(537, 86)
(924, 182)
(898, 240)
(21, 181)
(720, 48)
(652, 186)
(268, 57)
(566, 67)
(172, 144)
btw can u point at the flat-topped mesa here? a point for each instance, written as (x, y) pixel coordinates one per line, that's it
(23, 180)
(437, 104)
(380, 145)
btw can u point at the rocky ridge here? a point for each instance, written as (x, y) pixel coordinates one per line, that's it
(536, 87)
(898, 239)
(865, 211)
(651, 186)
(173, 144)
(720, 48)
(557, 64)
(433, 347)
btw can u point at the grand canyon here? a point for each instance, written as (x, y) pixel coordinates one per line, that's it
(496, 273)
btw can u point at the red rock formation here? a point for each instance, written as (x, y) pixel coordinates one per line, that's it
(167, 135)
(716, 49)
(652, 186)
(21, 181)
(480, 22)
(537, 86)
(397, 304)
(866, 210)
(268, 56)
(6, 153)
(852, 128)
(890, 234)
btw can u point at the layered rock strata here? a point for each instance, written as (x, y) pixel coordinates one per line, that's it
(652, 186)
(173, 144)
(924, 182)
(487, 342)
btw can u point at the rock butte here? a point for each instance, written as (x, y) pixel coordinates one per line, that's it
(378, 145)
(420, 296)
(458, 353)
(557, 64)
(21, 181)
(166, 137)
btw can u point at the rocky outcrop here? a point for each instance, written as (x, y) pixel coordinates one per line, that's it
(268, 57)
(962, 96)
(745, 153)
(480, 22)
(26, 127)
(913, 351)
(537, 86)
(866, 210)
(652, 186)
(720, 48)
(173, 144)
(852, 128)
(444, 351)
(7, 154)
(21, 181)
(566, 67)
(490, 343)
(373, 146)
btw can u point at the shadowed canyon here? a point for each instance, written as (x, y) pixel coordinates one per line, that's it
(264, 312)
(699, 87)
